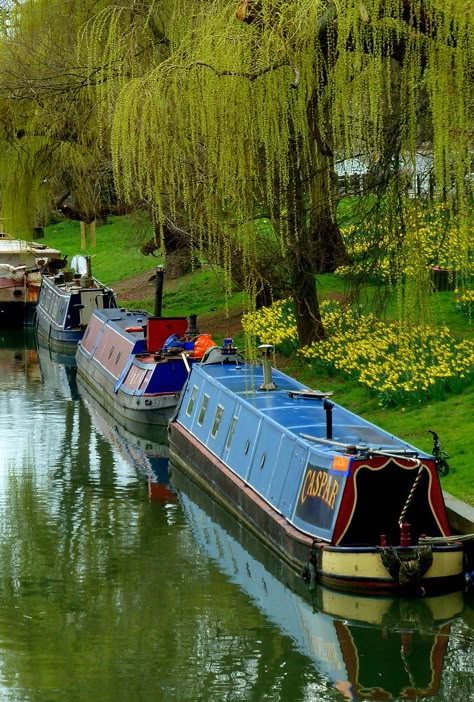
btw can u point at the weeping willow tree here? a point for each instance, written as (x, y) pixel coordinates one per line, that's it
(52, 154)
(226, 117)
(244, 119)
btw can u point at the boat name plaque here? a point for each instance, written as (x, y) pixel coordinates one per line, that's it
(321, 494)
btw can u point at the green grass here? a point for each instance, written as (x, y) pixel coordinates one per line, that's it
(117, 257)
(117, 253)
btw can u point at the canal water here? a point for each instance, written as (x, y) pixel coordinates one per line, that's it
(117, 584)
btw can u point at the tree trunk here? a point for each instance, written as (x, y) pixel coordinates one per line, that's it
(328, 249)
(178, 254)
(307, 312)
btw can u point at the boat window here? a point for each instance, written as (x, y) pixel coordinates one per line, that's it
(247, 446)
(118, 357)
(112, 349)
(217, 421)
(262, 460)
(203, 410)
(230, 433)
(192, 400)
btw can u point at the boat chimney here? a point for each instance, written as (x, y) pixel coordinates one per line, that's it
(268, 384)
(328, 405)
(160, 274)
(88, 267)
(192, 329)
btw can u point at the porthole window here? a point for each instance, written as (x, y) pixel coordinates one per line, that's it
(203, 409)
(192, 400)
(217, 421)
(230, 433)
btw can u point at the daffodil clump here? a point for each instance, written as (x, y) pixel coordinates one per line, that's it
(398, 364)
(465, 302)
(274, 325)
(430, 235)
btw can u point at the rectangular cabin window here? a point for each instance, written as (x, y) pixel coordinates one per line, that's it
(230, 433)
(192, 400)
(203, 409)
(217, 421)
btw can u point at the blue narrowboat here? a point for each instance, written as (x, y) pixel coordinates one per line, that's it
(338, 498)
(136, 364)
(65, 306)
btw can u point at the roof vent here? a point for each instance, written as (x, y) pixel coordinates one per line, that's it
(267, 351)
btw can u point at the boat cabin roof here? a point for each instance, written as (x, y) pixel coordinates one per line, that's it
(302, 411)
(121, 317)
(17, 246)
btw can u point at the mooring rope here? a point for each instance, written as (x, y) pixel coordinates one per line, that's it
(412, 491)
(446, 539)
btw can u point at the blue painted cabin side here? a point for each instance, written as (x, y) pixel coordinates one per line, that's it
(260, 436)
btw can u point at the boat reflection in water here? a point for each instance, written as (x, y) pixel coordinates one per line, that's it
(58, 370)
(370, 648)
(143, 447)
(18, 357)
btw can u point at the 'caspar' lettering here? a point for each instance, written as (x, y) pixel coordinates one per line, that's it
(319, 484)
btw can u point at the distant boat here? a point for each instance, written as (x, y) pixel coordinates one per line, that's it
(370, 648)
(65, 305)
(22, 264)
(135, 364)
(339, 499)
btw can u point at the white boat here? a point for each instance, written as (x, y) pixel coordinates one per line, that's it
(22, 265)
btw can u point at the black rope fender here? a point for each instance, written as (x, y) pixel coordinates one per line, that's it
(310, 571)
(407, 567)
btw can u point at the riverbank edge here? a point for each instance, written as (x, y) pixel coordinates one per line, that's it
(460, 514)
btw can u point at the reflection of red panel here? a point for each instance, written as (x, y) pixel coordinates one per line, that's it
(160, 492)
(385, 664)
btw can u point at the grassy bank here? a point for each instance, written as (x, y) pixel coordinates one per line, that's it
(117, 261)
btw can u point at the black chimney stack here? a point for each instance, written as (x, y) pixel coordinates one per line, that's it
(192, 329)
(160, 274)
(328, 405)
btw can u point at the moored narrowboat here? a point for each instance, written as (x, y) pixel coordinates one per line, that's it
(136, 364)
(22, 265)
(339, 499)
(65, 306)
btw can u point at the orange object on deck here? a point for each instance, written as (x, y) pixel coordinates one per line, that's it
(201, 344)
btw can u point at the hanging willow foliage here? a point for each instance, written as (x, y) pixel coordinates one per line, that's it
(253, 92)
(49, 134)
(224, 111)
